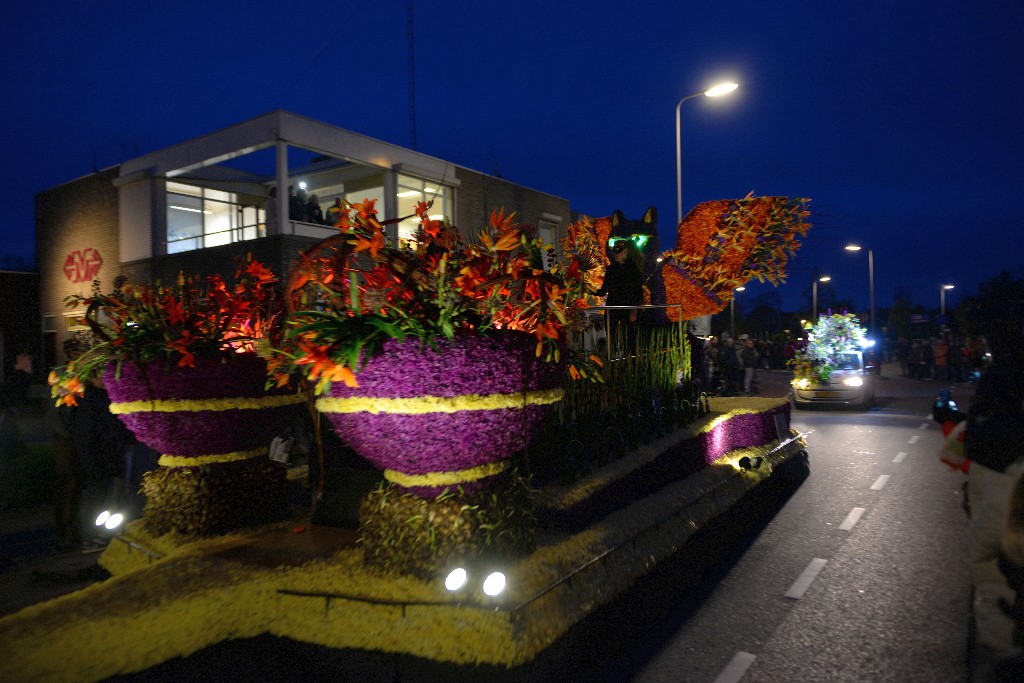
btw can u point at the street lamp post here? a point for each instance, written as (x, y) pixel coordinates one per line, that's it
(732, 311)
(871, 282)
(942, 299)
(716, 91)
(814, 297)
(701, 324)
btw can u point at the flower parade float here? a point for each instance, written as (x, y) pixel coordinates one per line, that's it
(572, 546)
(181, 369)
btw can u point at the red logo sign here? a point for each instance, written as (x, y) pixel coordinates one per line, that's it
(82, 265)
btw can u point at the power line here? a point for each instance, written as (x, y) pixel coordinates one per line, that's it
(321, 53)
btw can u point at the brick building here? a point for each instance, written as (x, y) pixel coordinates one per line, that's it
(197, 205)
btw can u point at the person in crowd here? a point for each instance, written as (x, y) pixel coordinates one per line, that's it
(749, 358)
(335, 211)
(623, 286)
(71, 475)
(915, 359)
(296, 204)
(956, 360)
(1010, 666)
(101, 442)
(314, 214)
(732, 368)
(18, 382)
(994, 443)
(903, 356)
(940, 358)
(927, 360)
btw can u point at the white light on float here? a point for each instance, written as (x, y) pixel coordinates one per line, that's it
(494, 584)
(456, 579)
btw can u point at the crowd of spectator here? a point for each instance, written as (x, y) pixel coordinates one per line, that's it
(729, 365)
(303, 207)
(946, 358)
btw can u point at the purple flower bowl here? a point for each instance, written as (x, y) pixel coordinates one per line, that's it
(446, 442)
(189, 432)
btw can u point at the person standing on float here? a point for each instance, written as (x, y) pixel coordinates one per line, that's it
(623, 286)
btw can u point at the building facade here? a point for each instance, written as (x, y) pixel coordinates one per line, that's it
(200, 204)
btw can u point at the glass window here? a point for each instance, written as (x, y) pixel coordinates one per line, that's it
(200, 217)
(184, 222)
(412, 191)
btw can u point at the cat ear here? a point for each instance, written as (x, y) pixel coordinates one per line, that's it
(618, 218)
(651, 215)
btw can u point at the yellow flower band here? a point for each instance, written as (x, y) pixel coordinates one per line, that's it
(191, 461)
(174, 405)
(420, 405)
(446, 478)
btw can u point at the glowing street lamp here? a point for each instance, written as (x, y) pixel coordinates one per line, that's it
(716, 91)
(814, 297)
(732, 310)
(942, 298)
(871, 281)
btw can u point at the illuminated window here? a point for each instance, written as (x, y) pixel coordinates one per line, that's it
(412, 191)
(199, 217)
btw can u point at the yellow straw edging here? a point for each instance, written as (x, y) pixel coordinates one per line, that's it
(446, 478)
(420, 405)
(187, 461)
(174, 405)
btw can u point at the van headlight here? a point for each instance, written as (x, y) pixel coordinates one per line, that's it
(853, 381)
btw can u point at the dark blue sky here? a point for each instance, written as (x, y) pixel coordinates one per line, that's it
(902, 121)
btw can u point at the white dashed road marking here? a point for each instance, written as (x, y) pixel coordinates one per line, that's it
(899, 457)
(736, 668)
(924, 425)
(880, 483)
(851, 519)
(914, 439)
(806, 578)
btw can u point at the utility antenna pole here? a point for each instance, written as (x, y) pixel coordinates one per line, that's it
(412, 76)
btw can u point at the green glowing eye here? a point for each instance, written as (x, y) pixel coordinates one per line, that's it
(640, 240)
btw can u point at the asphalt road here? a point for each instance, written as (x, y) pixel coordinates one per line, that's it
(861, 575)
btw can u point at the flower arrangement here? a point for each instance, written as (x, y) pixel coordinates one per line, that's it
(180, 366)
(723, 244)
(352, 293)
(177, 324)
(827, 336)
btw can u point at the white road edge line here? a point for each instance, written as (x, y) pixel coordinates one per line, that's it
(736, 668)
(899, 457)
(914, 439)
(804, 581)
(880, 483)
(851, 519)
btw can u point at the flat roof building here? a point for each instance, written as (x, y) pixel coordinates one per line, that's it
(198, 204)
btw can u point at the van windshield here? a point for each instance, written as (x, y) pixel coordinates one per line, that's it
(848, 361)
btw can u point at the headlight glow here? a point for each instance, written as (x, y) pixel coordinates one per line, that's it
(113, 521)
(853, 381)
(802, 383)
(102, 518)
